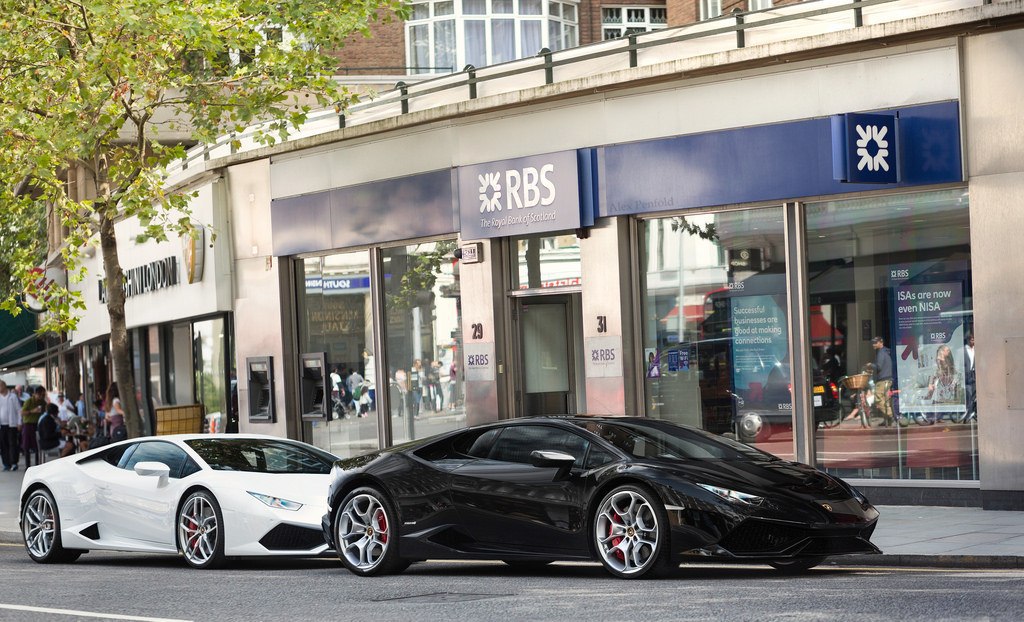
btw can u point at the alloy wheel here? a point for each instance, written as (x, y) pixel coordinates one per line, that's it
(364, 532)
(39, 525)
(627, 532)
(198, 530)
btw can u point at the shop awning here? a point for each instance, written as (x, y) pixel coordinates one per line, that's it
(18, 339)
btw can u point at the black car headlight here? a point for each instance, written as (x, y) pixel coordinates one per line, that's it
(734, 496)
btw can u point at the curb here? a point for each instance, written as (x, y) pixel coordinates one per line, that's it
(929, 561)
(11, 537)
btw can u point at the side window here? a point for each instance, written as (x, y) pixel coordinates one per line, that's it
(517, 442)
(113, 455)
(158, 451)
(189, 467)
(475, 444)
(598, 457)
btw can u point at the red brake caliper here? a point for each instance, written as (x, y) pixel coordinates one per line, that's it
(195, 532)
(382, 526)
(615, 541)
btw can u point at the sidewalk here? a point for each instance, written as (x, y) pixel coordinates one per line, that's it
(907, 535)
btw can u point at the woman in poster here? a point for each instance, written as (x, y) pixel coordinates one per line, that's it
(946, 384)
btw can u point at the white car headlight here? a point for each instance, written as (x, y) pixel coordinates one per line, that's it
(276, 502)
(733, 495)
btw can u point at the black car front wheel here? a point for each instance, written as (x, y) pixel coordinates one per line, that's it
(366, 533)
(795, 565)
(631, 533)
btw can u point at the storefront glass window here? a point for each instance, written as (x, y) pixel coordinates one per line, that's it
(715, 325)
(422, 318)
(898, 268)
(547, 261)
(335, 318)
(209, 351)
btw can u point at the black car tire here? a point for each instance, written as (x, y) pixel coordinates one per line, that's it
(645, 529)
(200, 531)
(796, 564)
(366, 534)
(40, 530)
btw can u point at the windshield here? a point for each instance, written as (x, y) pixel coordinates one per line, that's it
(261, 456)
(659, 439)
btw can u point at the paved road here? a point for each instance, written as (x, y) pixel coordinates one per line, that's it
(141, 587)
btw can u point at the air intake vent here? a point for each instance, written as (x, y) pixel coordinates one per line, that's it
(292, 538)
(92, 532)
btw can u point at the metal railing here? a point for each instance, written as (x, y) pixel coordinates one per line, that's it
(735, 31)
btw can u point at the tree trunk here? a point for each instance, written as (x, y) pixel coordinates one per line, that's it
(136, 425)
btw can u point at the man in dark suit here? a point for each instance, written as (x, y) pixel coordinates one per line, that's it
(970, 389)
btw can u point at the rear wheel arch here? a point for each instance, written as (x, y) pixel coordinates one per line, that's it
(363, 480)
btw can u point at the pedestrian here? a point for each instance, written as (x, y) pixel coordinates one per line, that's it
(883, 380)
(970, 381)
(10, 425)
(31, 411)
(115, 414)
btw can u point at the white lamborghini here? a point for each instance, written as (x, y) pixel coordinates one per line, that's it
(204, 496)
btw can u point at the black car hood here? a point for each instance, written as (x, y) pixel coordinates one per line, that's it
(768, 479)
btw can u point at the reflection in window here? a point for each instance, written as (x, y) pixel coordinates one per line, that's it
(898, 267)
(209, 351)
(715, 325)
(335, 318)
(547, 261)
(422, 316)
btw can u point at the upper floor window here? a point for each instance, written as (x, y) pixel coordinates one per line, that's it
(710, 8)
(757, 5)
(443, 36)
(622, 21)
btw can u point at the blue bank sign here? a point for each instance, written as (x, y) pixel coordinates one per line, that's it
(865, 148)
(782, 161)
(520, 196)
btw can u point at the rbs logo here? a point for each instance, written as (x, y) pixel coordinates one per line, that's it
(528, 187)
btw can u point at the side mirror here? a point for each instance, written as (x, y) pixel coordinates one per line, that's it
(550, 459)
(153, 469)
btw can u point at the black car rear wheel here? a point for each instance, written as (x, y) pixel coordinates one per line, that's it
(631, 533)
(797, 564)
(366, 533)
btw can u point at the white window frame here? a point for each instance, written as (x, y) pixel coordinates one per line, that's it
(626, 26)
(710, 9)
(545, 18)
(759, 5)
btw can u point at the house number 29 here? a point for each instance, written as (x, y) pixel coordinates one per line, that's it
(478, 331)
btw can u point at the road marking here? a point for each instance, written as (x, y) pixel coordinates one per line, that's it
(87, 614)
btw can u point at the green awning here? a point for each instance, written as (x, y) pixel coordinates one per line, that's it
(18, 339)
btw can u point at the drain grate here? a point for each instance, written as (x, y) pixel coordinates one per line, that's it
(441, 597)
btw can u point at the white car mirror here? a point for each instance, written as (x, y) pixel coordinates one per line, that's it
(152, 469)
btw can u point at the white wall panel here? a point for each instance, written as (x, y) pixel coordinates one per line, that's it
(900, 78)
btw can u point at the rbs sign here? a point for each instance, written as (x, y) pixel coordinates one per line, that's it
(522, 196)
(526, 188)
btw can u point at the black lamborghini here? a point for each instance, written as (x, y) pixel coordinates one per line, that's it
(639, 495)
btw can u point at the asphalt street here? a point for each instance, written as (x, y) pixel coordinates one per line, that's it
(140, 587)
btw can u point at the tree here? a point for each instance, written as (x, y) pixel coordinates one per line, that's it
(97, 98)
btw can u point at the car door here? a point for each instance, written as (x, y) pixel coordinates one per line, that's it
(142, 508)
(506, 503)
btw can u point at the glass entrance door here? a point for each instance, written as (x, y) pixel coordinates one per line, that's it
(547, 327)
